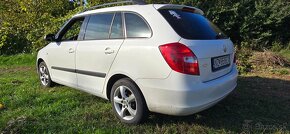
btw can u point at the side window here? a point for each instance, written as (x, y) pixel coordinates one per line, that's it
(71, 32)
(136, 27)
(99, 26)
(117, 29)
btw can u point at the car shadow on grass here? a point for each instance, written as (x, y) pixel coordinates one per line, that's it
(256, 105)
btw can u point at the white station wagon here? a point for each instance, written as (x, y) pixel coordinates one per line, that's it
(160, 58)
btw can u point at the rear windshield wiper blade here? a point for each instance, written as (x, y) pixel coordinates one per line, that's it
(220, 36)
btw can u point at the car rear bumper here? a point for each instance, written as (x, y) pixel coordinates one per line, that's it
(181, 94)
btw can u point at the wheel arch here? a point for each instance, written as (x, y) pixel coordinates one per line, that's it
(114, 79)
(111, 82)
(39, 60)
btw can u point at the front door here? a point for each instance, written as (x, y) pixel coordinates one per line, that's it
(62, 53)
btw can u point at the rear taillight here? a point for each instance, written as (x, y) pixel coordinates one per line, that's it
(180, 58)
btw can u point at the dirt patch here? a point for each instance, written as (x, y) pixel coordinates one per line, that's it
(270, 64)
(6, 70)
(15, 125)
(268, 58)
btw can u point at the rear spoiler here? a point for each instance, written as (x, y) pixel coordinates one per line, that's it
(183, 7)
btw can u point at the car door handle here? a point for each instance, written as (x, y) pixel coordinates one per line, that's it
(71, 50)
(109, 50)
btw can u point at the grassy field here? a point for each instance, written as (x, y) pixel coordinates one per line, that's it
(260, 103)
(285, 53)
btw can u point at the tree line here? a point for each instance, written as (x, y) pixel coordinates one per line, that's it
(254, 24)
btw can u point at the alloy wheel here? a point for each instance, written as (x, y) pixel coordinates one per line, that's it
(44, 76)
(125, 103)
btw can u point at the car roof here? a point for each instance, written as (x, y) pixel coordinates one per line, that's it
(136, 8)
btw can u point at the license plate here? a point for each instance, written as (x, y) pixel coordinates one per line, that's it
(220, 62)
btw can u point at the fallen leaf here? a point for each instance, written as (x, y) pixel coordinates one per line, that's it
(1, 106)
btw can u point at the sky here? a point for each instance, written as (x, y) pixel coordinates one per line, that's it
(85, 1)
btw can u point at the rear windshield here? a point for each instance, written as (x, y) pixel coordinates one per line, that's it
(190, 25)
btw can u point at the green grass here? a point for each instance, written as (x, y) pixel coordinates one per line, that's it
(20, 59)
(259, 100)
(285, 53)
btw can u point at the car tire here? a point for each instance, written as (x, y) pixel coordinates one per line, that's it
(44, 75)
(128, 102)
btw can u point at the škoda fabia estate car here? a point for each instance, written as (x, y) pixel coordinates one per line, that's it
(159, 58)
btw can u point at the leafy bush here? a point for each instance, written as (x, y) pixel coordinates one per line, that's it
(285, 53)
(24, 23)
(277, 46)
(283, 72)
(257, 23)
(244, 65)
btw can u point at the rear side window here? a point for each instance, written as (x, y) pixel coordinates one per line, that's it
(136, 27)
(99, 26)
(190, 25)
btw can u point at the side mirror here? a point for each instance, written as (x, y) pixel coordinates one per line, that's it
(49, 37)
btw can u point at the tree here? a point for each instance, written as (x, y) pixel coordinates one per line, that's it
(250, 23)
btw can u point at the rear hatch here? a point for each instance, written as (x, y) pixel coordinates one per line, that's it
(213, 49)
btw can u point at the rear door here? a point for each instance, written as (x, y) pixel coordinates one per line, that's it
(103, 37)
(214, 50)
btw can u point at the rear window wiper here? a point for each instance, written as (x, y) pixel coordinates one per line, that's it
(220, 36)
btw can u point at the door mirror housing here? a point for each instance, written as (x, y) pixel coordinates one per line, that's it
(49, 37)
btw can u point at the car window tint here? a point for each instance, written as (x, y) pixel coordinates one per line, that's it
(117, 30)
(99, 26)
(136, 27)
(190, 25)
(72, 31)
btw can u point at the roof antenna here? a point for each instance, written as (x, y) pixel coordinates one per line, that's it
(139, 2)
